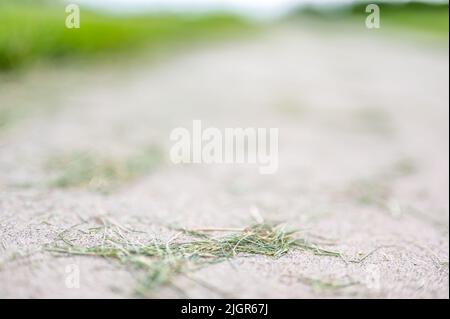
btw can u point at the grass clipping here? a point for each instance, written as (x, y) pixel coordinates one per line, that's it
(162, 262)
(100, 173)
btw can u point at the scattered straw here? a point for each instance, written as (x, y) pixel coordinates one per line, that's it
(161, 262)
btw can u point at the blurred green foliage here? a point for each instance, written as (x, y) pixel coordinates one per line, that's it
(417, 16)
(431, 18)
(100, 173)
(35, 30)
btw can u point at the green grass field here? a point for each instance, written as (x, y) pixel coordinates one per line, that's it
(32, 31)
(415, 17)
(419, 17)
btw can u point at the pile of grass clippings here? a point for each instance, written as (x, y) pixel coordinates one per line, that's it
(162, 262)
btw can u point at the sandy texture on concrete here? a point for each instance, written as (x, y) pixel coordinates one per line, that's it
(363, 166)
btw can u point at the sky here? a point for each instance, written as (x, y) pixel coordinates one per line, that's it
(246, 7)
(252, 8)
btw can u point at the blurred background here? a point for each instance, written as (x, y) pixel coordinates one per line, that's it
(85, 118)
(31, 30)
